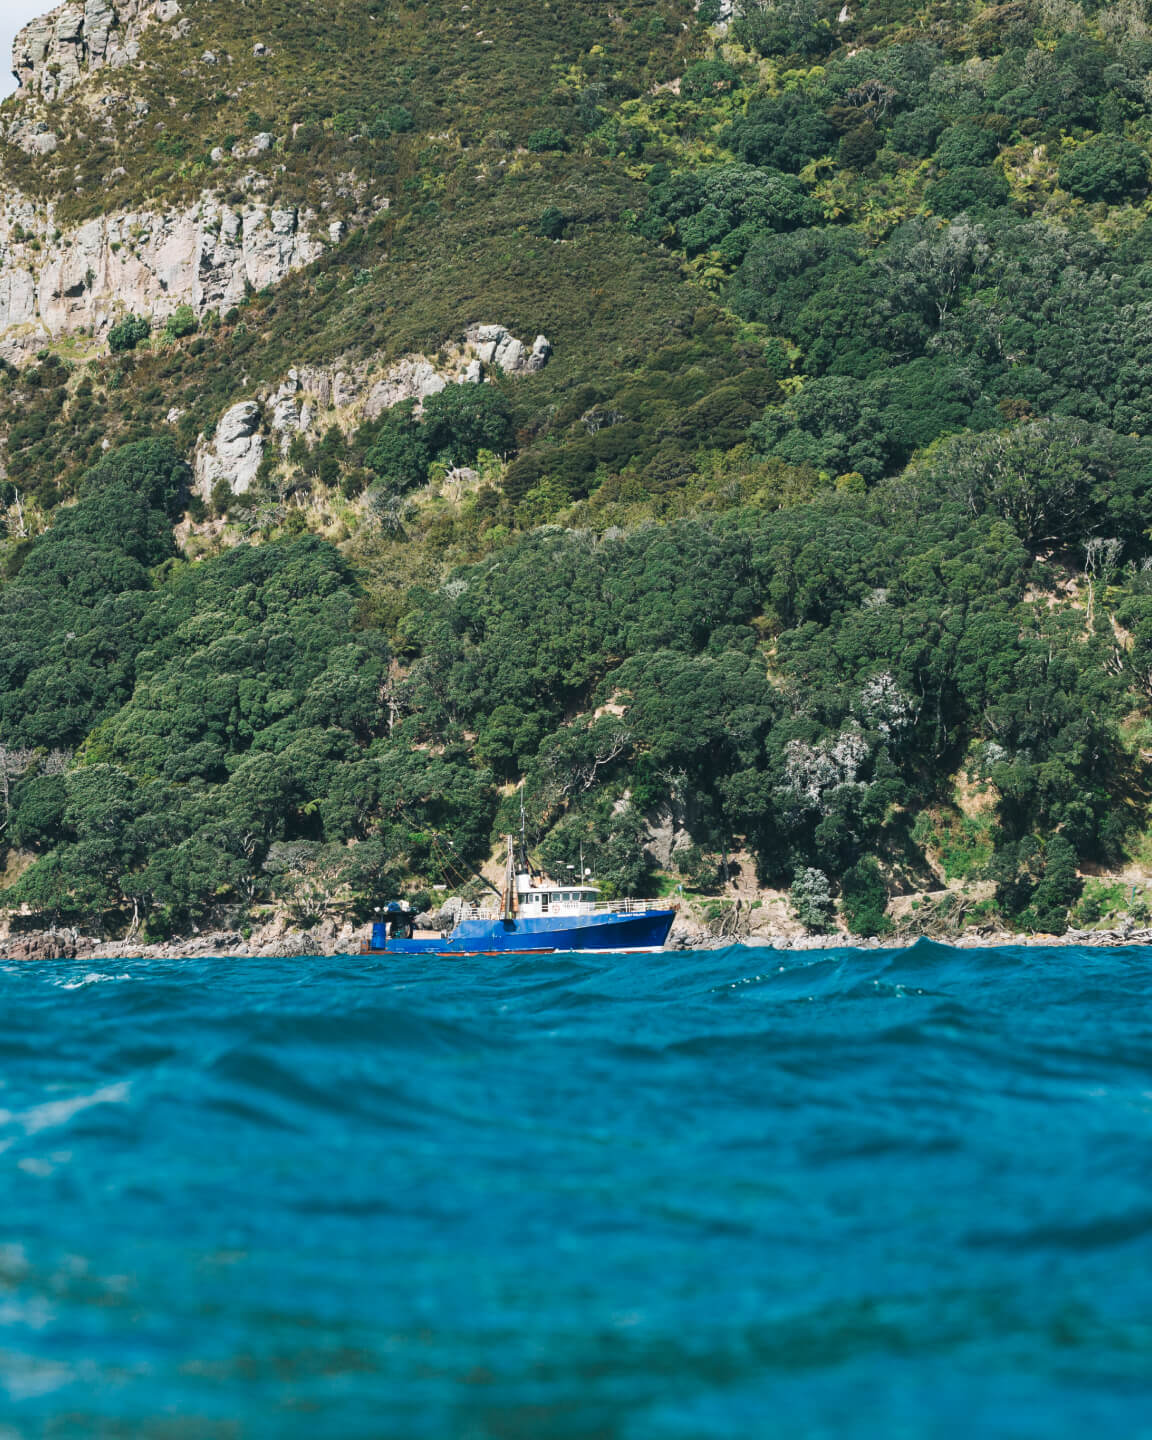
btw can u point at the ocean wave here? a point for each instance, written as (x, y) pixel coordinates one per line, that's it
(50, 1114)
(93, 977)
(634, 1194)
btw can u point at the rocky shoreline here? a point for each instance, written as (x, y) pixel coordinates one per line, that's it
(66, 944)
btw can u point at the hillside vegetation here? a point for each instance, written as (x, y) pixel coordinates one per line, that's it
(822, 538)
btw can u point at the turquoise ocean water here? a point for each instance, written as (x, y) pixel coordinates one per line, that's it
(726, 1193)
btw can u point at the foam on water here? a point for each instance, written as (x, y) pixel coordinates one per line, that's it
(93, 977)
(729, 1193)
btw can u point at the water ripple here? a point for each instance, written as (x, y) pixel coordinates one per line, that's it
(736, 1192)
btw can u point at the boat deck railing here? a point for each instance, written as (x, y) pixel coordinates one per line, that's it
(628, 907)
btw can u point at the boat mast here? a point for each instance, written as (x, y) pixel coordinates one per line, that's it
(509, 897)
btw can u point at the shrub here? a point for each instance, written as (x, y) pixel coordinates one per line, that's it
(353, 483)
(399, 118)
(128, 333)
(1101, 900)
(544, 139)
(551, 223)
(700, 870)
(181, 323)
(308, 136)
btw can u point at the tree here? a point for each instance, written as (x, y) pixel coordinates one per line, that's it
(508, 738)
(582, 755)
(967, 190)
(68, 884)
(864, 898)
(929, 264)
(399, 454)
(14, 762)
(153, 469)
(915, 132)
(703, 207)
(780, 133)
(462, 420)
(811, 898)
(966, 144)
(1059, 888)
(1036, 882)
(38, 820)
(1037, 477)
(872, 426)
(1101, 557)
(1106, 167)
(784, 27)
(707, 78)
(858, 147)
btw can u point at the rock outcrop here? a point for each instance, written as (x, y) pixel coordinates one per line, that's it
(206, 256)
(345, 395)
(415, 377)
(365, 389)
(667, 837)
(54, 51)
(235, 453)
(494, 345)
(370, 390)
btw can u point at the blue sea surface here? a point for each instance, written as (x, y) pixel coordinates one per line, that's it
(727, 1193)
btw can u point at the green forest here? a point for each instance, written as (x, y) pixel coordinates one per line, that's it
(826, 531)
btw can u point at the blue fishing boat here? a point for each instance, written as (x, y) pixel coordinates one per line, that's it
(536, 916)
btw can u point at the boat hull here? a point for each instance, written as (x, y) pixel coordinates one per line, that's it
(541, 935)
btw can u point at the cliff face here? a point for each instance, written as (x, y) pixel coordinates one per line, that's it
(53, 52)
(53, 282)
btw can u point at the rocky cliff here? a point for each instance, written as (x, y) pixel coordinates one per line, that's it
(55, 51)
(53, 282)
(58, 279)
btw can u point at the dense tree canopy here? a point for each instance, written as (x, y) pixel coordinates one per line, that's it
(823, 536)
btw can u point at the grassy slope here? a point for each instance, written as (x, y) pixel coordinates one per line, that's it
(345, 69)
